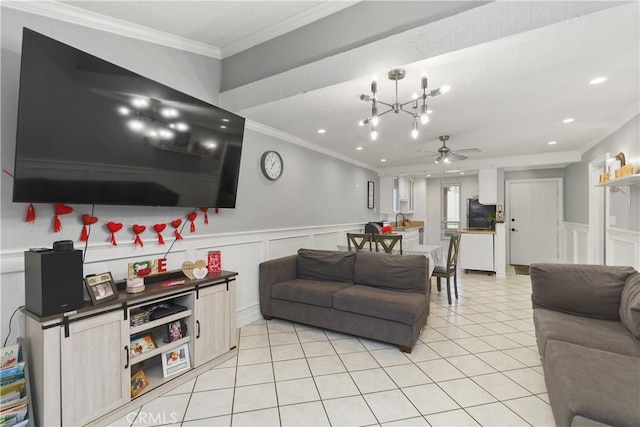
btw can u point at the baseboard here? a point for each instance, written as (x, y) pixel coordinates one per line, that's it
(247, 315)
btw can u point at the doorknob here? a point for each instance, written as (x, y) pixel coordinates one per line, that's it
(513, 229)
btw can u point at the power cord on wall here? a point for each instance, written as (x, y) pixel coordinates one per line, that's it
(174, 240)
(10, 320)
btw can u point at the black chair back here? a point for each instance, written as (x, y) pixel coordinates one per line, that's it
(358, 241)
(387, 242)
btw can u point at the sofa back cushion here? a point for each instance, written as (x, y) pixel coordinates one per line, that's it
(586, 290)
(630, 305)
(326, 265)
(388, 271)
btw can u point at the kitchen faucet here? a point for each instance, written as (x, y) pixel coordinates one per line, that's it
(403, 218)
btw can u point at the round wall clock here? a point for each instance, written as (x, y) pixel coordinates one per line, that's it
(272, 165)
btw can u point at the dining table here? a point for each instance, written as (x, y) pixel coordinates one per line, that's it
(433, 253)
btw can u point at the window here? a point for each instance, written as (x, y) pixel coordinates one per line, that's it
(450, 210)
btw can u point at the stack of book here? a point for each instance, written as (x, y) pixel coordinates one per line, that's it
(13, 389)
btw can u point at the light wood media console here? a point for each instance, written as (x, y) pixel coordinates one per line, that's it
(81, 364)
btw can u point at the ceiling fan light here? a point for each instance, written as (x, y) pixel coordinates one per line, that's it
(447, 160)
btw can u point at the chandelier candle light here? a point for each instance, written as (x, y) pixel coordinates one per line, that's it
(397, 107)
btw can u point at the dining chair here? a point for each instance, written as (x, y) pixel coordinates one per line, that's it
(451, 269)
(387, 242)
(359, 240)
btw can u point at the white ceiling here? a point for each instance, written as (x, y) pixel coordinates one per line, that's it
(508, 96)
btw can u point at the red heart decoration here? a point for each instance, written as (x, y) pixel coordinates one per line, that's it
(114, 226)
(88, 219)
(159, 227)
(192, 216)
(176, 223)
(61, 209)
(138, 228)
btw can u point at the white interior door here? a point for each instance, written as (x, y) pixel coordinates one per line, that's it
(534, 214)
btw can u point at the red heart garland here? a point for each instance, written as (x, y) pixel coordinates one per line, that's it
(59, 209)
(192, 217)
(206, 217)
(159, 229)
(176, 223)
(137, 229)
(114, 227)
(31, 214)
(87, 220)
(217, 210)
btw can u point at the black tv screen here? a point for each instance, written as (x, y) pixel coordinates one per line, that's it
(91, 132)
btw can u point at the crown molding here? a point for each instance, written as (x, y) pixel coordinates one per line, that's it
(624, 118)
(292, 23)
(266, 130)
(85, 18)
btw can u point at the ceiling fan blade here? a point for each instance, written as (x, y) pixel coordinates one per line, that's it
(456, 156)
(429, 153)
(468, 150)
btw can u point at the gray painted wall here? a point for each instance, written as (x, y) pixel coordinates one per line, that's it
(358, 25)
(314, 190)
(625, 207)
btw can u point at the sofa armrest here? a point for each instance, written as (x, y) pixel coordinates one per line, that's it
(585, 290)
(272, 272)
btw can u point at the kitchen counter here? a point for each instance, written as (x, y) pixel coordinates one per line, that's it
(477, 232)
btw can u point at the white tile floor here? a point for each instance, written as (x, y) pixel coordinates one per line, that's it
(476, 363)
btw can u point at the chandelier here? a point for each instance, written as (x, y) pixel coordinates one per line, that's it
(417, 111)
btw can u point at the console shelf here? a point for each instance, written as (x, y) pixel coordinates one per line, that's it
(159, 322)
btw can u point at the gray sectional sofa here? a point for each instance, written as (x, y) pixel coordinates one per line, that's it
(587, 323)
(373, 295)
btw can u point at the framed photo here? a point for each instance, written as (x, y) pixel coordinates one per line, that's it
(175, 361)
(101, 288)
(140, 345)
(176, 330)
(370, 194)
(139, 382)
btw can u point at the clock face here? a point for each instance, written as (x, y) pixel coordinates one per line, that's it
(271, 165)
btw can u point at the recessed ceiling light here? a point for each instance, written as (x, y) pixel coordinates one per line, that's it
(461, 173)
(322, 131)
(225, 120)
(428, 175)
(597, 80)
(383, 160)
(552, 142)
(359, 148)
(223, 127)
(568, 120)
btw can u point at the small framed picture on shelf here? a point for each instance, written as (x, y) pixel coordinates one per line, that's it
(101, 288)
(176, 330)
(141, 344)
(139, 382)
(175, 361)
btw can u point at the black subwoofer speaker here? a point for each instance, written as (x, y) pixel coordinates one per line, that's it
(53, 281)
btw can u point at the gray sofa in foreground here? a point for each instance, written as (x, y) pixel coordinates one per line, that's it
(374, 295)
(587, 323)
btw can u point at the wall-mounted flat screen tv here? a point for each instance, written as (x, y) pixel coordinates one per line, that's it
(91, 132)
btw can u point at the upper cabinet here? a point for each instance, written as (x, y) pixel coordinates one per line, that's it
(403, 189)
(490, 186)
(396, 194)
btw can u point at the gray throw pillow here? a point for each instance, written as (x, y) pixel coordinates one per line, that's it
(326, 265)
(630, 305)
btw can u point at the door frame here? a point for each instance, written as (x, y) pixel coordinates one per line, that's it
(597, 230)
(560, 184)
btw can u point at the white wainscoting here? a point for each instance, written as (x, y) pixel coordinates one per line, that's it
(574, 244)
(241, 252)
(623, 247)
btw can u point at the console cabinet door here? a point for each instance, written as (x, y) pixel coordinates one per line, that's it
(95, 375)
(211, 324)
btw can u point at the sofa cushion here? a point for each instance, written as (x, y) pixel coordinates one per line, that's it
(587, 290)
(591, 383)
(630, 305)
(314, 292)
(595, 333)
(404, 307)
(398, 272)
(326, 265)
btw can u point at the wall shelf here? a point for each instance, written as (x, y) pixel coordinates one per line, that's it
(627, 180)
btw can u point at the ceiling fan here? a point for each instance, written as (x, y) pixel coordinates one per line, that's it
(445, 154)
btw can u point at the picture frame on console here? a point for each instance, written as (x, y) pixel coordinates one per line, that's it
(139, 382)
(101, 288)
(175, 361)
